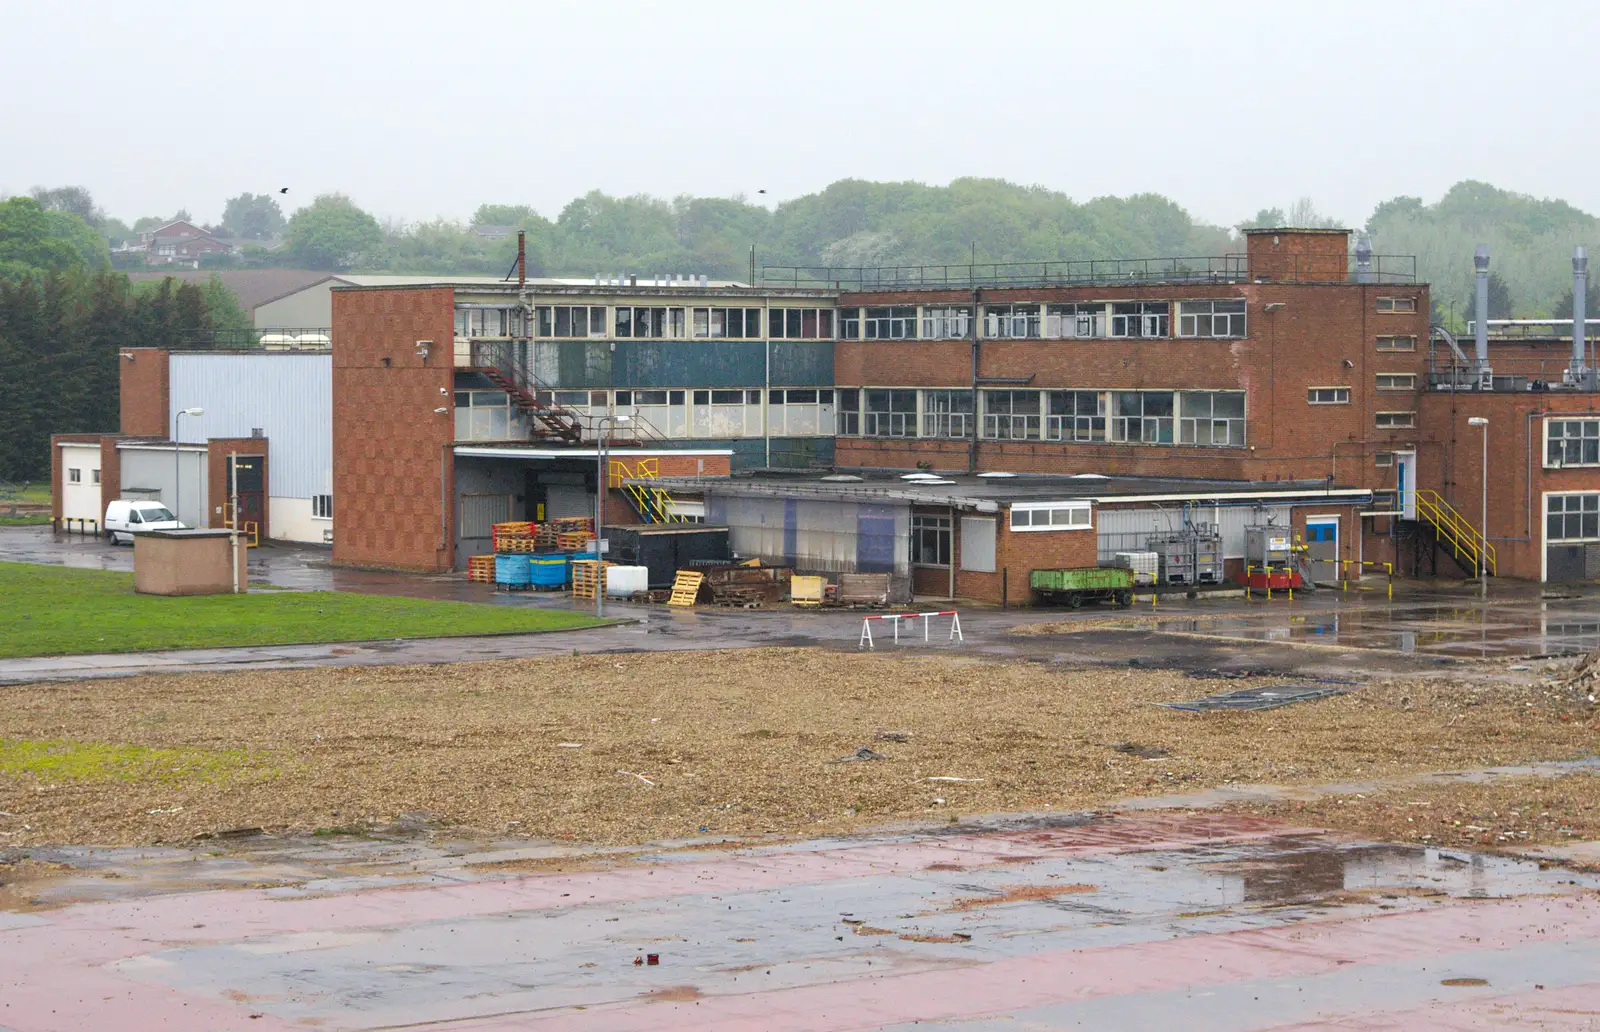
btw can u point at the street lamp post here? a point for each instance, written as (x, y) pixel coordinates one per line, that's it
(177, 461)
(602, 482)
(1482, 423)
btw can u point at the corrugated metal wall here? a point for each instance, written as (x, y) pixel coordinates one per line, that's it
(1128, 530)
(156, 471)
(816, 536)
(288, 396)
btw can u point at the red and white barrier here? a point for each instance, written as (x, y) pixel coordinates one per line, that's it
(896, 618)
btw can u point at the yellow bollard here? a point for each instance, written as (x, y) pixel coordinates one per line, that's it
(1389, 568)
(1247, 583)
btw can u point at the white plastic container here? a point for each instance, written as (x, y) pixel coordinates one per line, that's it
(1143, 564)
(625, 580)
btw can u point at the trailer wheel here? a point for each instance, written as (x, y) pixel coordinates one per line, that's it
(1124, 598)
(1074, 600)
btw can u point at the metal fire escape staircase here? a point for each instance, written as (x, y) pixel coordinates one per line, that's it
(500, 363)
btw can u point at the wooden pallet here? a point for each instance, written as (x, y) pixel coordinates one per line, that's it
(515, 545)
(585, 577)
(573, 540)
(686, 588)
(517, 529)
(480, 569)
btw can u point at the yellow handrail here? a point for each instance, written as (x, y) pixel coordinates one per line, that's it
(648, 500)
(1466, 539)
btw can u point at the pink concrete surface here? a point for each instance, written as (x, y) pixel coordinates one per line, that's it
(258, 960)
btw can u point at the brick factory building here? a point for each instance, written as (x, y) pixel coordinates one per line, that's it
(1297, 382)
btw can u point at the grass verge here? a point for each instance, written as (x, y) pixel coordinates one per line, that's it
(56, 611)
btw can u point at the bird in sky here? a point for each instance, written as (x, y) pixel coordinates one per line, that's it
(286, 190)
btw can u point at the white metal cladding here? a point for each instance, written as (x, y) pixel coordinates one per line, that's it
(288, 397)
(818, 536)
(1129, 530)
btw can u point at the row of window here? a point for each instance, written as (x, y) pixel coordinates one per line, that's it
(75, 475)
(1221, 319)
(1572, 442)
(1387, 382)
(1572, 517)
(1202, 418)
(931, 537)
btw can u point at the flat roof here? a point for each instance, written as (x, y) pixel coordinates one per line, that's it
(991, 491)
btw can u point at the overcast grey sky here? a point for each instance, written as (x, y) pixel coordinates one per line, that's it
(419, 109)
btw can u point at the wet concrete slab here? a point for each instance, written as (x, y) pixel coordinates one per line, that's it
(1209, 920)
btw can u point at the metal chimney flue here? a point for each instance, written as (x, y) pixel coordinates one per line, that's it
(1480, 326)
(1580, 299)
(1363, 260)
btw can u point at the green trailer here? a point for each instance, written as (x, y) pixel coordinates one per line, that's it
(1087, 584)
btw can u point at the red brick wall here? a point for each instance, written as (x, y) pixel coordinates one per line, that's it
(110, 472)
(1323, 335)
(1517, 476)
(695, 465)
(391, 452)
(1287, 254)
(142, 392)
(1016, 556)
(218, 486)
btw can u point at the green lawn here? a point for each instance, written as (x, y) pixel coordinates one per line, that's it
(50, 610)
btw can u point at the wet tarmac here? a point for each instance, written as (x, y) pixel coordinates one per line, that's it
(1356, 634)
(1197, 920)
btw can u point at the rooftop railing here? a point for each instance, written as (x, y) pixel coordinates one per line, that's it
(281, 338)
(1227, 268)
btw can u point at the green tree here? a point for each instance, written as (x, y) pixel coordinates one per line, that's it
(74, 200)
(253, 216)
(1500, 298)
(1591, 303)
(504, 215)
(36, 241)
(332, 233)
(223, 311)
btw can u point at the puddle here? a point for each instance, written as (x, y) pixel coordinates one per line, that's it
(1530, 629)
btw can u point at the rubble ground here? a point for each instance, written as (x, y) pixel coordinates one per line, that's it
(628, 748)
(1503, 814)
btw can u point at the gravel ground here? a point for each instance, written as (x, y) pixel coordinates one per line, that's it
(1503, 815)
(628, 748)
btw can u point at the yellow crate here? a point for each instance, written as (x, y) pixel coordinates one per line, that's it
(807, 591)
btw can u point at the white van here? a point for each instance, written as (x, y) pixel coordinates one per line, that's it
(125, 517)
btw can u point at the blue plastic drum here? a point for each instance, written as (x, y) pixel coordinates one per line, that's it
(512, 571)
(548, 569)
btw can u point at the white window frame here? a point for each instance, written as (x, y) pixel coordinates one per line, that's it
(322, 507)
(1077, 321)
(74, 475)
(1199, 319)
(1582, 538)
(946, 322)
(1383, 458)
(1399, 383)
(1397, 305)
(1151, 321)
(939, 415)
(1189, 424)
(1004, 322)
(94, 476)
(1077, 514)
(940, 527)
(1583, 437)
(816, 413)
(899, 322)
(1341, 396)
(1397, 342)
(778, 323)
(1409, 424)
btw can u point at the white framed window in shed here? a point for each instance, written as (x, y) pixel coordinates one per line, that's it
(74, 476)
(94, 476)
(1031, 516)
(1328, 395)
(322, 507)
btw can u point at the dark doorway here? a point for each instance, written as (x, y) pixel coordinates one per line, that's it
(251, 486)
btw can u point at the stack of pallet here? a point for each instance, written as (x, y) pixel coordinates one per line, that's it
(515, 538)
(572, 533)
(480, 569)
(586, 574)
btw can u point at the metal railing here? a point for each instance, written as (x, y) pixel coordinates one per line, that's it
(279, 338)
(1226, 268)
